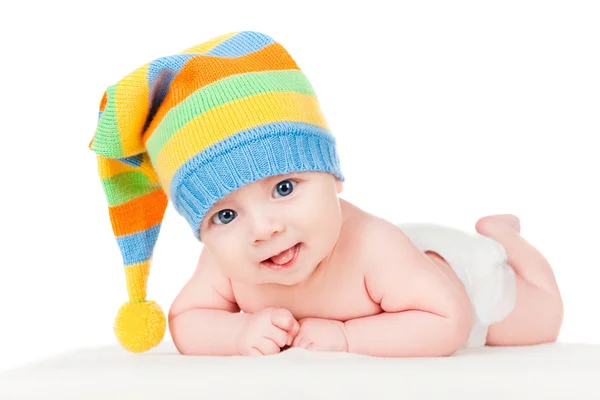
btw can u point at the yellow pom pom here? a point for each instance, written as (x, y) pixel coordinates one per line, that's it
(140, 326)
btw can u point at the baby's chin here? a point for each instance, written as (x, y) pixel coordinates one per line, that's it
(290, 277)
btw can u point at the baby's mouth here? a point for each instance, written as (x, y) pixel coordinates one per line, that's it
(284, 259)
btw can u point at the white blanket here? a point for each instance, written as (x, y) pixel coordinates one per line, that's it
(551, 371)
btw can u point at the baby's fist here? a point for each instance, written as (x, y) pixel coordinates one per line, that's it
(267, 331)
(321, 335)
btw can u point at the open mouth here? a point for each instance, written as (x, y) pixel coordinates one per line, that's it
(283, 260)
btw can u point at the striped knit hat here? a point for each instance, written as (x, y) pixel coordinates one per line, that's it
(193, 127)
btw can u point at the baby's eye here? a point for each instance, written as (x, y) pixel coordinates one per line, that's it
(225, 216)
(285, 187)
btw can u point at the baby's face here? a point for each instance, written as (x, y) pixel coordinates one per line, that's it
(269, 216)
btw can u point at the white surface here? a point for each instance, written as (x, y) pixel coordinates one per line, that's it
(552, 371)
(445, 111)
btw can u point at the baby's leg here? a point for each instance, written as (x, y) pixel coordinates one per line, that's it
(537, 316)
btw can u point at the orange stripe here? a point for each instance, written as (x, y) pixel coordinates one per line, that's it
(103, 101)
(138, 214)
(204, 70)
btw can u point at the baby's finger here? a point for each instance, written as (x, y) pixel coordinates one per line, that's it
(268, 346)
(293, 332)
(298, 341)
(277, 335)
(284, 320)
(295, 341)
(295, 329)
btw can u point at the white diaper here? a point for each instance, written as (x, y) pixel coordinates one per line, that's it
(481, 264)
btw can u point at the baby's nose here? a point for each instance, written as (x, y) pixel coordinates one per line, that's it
(265, 230)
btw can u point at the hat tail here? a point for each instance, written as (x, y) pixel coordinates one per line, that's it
(136, 204)
(136, 199)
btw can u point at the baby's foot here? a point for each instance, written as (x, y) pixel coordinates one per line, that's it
(484, 223)
(527, 261)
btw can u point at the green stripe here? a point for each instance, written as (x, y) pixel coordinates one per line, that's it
(126, 186)
(221, 92)
(107, 140)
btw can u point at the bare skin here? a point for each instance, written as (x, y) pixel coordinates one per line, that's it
(538, 312)
(376, 294)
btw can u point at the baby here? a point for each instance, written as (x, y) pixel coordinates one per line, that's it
(232, 133)
(311, 270)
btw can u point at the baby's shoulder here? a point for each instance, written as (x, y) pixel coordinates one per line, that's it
(364, 236)
(368, 229)
(381, 248)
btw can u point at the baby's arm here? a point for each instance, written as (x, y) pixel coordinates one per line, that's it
(424, 313)
(204, 318)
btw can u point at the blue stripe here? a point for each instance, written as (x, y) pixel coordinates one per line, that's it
(161, 73)
(134, 161)
(138, 247)
(163, 70)
(248, 156)
(241, 44)
(168, 66)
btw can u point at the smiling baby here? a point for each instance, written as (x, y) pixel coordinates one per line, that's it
(231, 132)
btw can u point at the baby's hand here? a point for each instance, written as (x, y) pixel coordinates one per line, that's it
(267, 331)
(321, 335)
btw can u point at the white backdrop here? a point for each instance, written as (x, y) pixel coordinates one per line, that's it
(443, 112)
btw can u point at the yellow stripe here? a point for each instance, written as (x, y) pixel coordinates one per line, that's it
(231, 118)
(209, 45)
(133, 90)
(137, 279)
(131, 109)
(107, 168)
